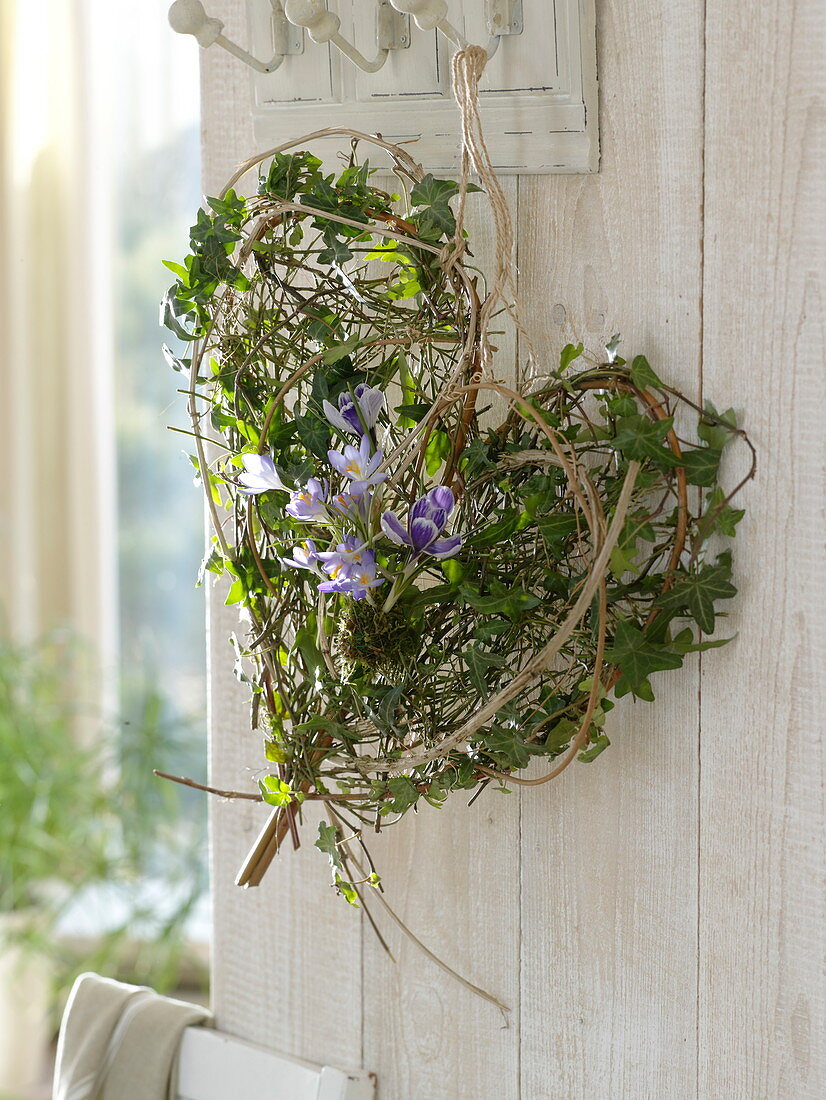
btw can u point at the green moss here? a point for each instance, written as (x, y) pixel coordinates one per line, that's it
(375, 640)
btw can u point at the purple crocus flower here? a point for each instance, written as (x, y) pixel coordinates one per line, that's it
(349, 554)
(304, 556)
(357, 412)
(427, 520)
(260, 475)
(353, 506)
(359, 465)
(351, 568)
(308, 504)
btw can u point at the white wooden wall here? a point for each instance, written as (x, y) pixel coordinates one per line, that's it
(656, 920)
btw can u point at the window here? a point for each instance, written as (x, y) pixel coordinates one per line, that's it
(144, 157)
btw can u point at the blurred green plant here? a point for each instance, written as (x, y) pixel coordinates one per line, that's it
(54, 805)
(76, 817)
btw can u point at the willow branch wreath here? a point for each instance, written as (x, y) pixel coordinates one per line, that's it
(443, 577)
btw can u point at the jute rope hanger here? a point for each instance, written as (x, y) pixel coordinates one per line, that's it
(467, 68)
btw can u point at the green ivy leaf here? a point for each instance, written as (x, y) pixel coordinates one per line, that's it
(454, 570)
(172, 311)
(701, 465)
(436, 451)
(337, 251)
(637, 656)
(431, 191)
(288, 173)
(594, 749)
(432, 196)
(487, 632)
(275, 791)
(274, 753)
(695, 593)
(475, 457)
(556, 528)
(684, 642)
(347, 891)
(390, 700)
(415, 412)
(559, 735)
(231, 207)
(307, 645)
(508, 744)
(215, 482)
(622, 405)
(499, 599)
(611, 347)
(440, 593)
(327, 842)
(314, 434)
(721, 517)
(642, 439)
(237, 592)
(403, 794)
(568, 354)
(177, 269)
(478, 662)
(180, 365)
(715, 428)
(642, 374)
(213, 562)
(495, 532)
(434, 219)
(340, 351)
(622, 560)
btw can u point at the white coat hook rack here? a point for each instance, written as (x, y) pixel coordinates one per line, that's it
(293, 17)
(384, 66)
(189, 17)
(323, 26)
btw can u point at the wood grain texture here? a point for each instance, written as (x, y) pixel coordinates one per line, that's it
(609, 851)
(762, 1005)
(453, 877)
(288, 953)
(655, 920)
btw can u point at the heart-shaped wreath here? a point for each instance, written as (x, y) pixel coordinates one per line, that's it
(443, 577)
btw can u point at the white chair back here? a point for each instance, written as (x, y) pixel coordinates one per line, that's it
(215, 1066)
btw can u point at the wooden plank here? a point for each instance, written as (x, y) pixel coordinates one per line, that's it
(286, 955)
(452, 875)
(762, 994)
(609, 852)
